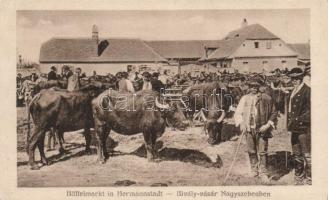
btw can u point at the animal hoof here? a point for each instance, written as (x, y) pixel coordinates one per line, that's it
(62, 151)
(102, 162)
(35, 167)
(87, 151)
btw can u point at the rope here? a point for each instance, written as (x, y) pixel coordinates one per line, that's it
(234, 158)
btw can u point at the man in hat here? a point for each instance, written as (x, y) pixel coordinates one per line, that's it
(125, 85)
(146, 81)
(74, 80)
(299, 124)
(256, 115)
(157, 85)
(52, 75)
(66, 72)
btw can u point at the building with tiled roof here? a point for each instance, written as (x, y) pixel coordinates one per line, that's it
(303, 52)
(101, 55)
(252, 48)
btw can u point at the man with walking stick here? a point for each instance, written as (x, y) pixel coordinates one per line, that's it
(256, 115)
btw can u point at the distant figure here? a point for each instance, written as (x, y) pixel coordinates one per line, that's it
(146, 81)
(52, 75)
(66, 72)
(125, 85)
(164, 78)
(307, 77)
(74, 80)
(157, 85)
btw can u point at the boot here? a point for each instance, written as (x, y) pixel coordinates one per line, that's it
(299, 170)
(308, 168)
(254, 164)
(263, 172)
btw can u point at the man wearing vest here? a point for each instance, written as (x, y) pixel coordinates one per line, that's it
(256, 115)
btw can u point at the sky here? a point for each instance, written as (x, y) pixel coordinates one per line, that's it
(36, 27)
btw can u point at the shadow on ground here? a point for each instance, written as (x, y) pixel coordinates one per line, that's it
(184, 155)
(279, 164)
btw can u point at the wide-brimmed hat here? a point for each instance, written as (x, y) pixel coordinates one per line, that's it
(255, 81)
(146, 74)
(155, 74)
(295, 72)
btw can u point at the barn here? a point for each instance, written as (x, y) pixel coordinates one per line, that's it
(185, 54)
(106, 55)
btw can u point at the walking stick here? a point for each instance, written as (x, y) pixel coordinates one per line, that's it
(234, 158)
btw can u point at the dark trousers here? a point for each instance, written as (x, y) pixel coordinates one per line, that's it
(257, 147)
(301, 147)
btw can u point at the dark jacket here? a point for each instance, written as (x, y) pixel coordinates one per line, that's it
(157, 85)
(266, 110)
(299, 119)
(52, 76)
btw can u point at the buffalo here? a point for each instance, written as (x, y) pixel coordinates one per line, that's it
(129, 114)
(214, 101)
(63, 111)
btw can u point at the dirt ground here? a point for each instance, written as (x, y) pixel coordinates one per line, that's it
(185, 159)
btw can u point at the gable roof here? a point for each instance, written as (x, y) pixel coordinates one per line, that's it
(302, 49)
(253, 31)
(87, 50)
(181, 48)
(235, 38)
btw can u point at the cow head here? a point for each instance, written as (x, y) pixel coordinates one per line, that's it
(213, 129)
(93, 89)
(173, 115)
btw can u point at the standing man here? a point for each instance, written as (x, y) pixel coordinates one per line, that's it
(74, 80)
(125, 85)
(256, 115)
(147, 85)
(299, 124)
(52, 75)
(66, 73)
(157, 85)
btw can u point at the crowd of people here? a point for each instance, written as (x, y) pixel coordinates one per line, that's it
(255, 114)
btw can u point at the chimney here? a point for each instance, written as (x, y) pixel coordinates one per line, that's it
(244, 23)
(95, 33)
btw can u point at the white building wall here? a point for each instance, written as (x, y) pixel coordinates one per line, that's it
(263, 64)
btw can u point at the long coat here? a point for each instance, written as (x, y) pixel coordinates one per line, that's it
(299, 115)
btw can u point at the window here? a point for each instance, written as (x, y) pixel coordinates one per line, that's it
(245, 63)
(237, 35)
(244, 44)
(264, 62)
(256, 44)
(268, 44)
(283, 61)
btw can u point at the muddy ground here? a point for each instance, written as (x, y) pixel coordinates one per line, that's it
(185, 159)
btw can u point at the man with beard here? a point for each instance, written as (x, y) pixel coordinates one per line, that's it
(256, 115)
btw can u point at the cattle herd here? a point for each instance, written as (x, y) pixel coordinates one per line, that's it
(98, 104)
